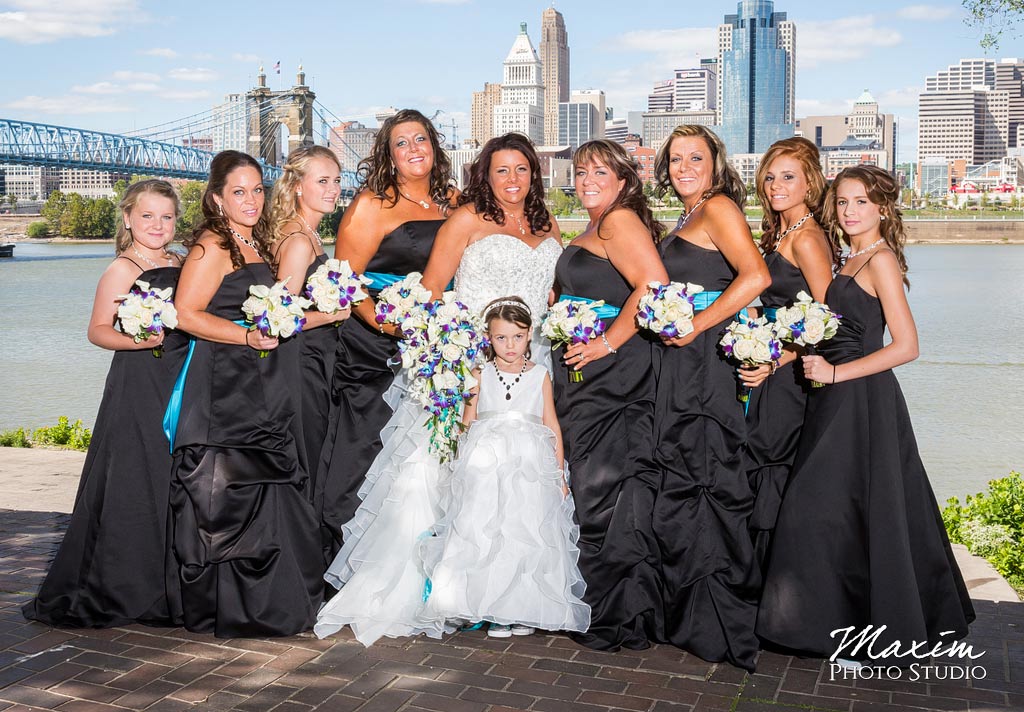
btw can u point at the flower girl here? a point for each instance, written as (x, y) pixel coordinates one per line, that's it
(506, 547)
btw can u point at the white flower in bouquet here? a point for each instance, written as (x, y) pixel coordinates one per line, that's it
(274, 311)
(146, 312)
(667, 309)
(807, 322)
(335, 286)
(397, 302)
(751, 342)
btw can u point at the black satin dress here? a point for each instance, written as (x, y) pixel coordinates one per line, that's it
(361, 376)
(110, 567)
(607, 430)
(775, 416)
(859, 539)
(702, 511)
(245, 534)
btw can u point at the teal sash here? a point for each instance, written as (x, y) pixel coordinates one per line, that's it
(604, 312)
(386, 279)
(771, 313)
(702, 300)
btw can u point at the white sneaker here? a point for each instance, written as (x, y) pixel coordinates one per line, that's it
(522, 630)
(500, 631)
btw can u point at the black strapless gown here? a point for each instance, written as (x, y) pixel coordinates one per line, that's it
(245, 534)
(110, 567)
(361, 376)
(607, 428)
(859, 539)
(775, 416)
(702, 511)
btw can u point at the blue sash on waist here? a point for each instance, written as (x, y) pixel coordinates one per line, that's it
(771, 313)
(173, 411)
(604, 312)
(386, 279)
(702, 300)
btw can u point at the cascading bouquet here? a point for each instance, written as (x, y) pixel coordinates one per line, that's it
(335, 286)
(751, 342)
(571, 321)
(403, 302)
(807, 323)
(441, 348)
(146, 312)
(667, 309)
(274, 311)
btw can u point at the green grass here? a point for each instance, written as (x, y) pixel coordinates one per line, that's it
(65, 434)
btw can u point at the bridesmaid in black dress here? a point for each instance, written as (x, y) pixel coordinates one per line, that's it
(703, 507)
(109, 570)
(245, 534)
(308, 189)
(859, 539)
(790, 187)
(386, 233)
(608, 419)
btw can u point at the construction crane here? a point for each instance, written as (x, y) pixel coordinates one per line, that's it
(453, 137)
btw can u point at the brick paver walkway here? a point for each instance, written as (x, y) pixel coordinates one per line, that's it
(138, 668)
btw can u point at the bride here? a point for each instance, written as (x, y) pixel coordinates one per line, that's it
(500, 242)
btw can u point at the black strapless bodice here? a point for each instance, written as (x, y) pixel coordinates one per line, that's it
(581, 273)
(787, 282)
(862, 323)
(687, 262)
(406, 248)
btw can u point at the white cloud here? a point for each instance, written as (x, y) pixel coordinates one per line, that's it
(73, 105)
(841, 40)
(926, 13)
(160, 52)
(443, 2)
(682, 47)
(198, 74)
(126, 76)
(40, 21)
(819, 107)
(184, 95)
(202, 56)
(247, 58)
(906, 97)
(98, 88)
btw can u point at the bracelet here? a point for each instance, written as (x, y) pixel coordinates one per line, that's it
(607, 345)
(247, 337)
(833, 374)
(774, 367)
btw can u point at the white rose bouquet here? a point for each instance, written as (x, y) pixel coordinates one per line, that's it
(334, 286)
(274, 311)
(146, 312)
(401, 302)
(807, 323)
(751, 342)
(571, 321)
(667, 309)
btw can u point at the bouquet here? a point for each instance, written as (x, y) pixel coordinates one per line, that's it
(572, 322)
(334, 286)
(667, 309)
(402, 303)
(146, 312)
(752, 342)
(274, 311)
(807, 323)
(440, 352)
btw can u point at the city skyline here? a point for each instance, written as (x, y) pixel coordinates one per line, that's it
(129, 64)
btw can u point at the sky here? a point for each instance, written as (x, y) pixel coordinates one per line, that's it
(122, 65)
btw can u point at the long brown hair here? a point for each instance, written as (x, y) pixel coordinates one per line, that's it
(378, 171)
(479, 193)
(213, 219)
(631, 197)
(724, 178)
(883, 191)
(284, 203)
(123, 236)
(806, 154)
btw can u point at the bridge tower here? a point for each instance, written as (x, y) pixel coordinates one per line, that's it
(267, 110)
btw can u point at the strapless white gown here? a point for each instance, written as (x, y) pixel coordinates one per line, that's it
(378, 572)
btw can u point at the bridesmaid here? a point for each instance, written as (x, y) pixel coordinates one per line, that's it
(608, 419)
(245, 534)
(859, 540)
(703, 507)
(109, 570)
(387, 232)
(790, 187)
(308, 189)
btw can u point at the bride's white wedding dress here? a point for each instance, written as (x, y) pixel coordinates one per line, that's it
(378, 571)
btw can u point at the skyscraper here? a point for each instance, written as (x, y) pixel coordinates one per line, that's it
(482, 112)
(522, 92)
(554, 58)
(757, 69)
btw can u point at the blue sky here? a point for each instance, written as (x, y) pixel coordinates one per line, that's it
(118, 65)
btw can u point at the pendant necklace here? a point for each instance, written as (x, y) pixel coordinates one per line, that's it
(148, 261)
(314, 233)
(508, 386)
(422, 203)
(791, 228)
(870, 247)
(686, 216)
(519, 222)
(244, 240)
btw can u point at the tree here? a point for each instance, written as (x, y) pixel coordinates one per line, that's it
(101, 215)
(38, 229)
(190, 195)
(993, 17)
(74, 222)
(53, 211)
(119, 190)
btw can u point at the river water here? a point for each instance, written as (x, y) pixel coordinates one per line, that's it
(965, 392)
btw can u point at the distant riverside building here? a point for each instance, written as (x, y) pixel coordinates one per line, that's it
(90, 184)
(461, 159)
(385, 114)
(746, 165)
(555, 166)
(230, 129)
(657, 125)
(200, 143)
(643, 156)
(31, 182)
(663, 96)
(864, 129)
(616, 130)
(482, 112)
(554, 58)
(522, 92)
(596, 98)
(577, 124)
(691, 89)
(351, 142)
(756, 77)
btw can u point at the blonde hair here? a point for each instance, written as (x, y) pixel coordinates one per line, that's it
(284, 202)
(123, 235)
(724, 178)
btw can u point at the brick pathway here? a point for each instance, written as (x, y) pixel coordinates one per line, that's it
(138, 668)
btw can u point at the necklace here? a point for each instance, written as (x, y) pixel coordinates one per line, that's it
(791, 228)
(870, 247)
(686, 216)
(508, 386)
(244, 240)
(425, 204)
(148, 261)
(519, 222)
(314, 233)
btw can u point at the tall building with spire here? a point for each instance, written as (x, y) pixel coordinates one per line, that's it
(554, 58)
(522, 92)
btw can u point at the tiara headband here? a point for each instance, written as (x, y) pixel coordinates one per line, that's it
(507, 303)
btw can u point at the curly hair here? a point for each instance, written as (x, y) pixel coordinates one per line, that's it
(724, 178)
(378, 171)
(480, 194)
(631, 197)
(883, 191)
(284, 203)
(123, 235)
(511, 309)
(223, 164)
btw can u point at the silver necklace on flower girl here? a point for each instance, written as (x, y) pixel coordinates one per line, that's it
(508, 386)
(148, 261)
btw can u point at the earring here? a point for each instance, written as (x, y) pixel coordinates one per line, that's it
(128, 228)
(883, 217)
(220, 209)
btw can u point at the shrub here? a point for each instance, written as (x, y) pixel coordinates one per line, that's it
(38, 229)
(64, 434)
(14, 438)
